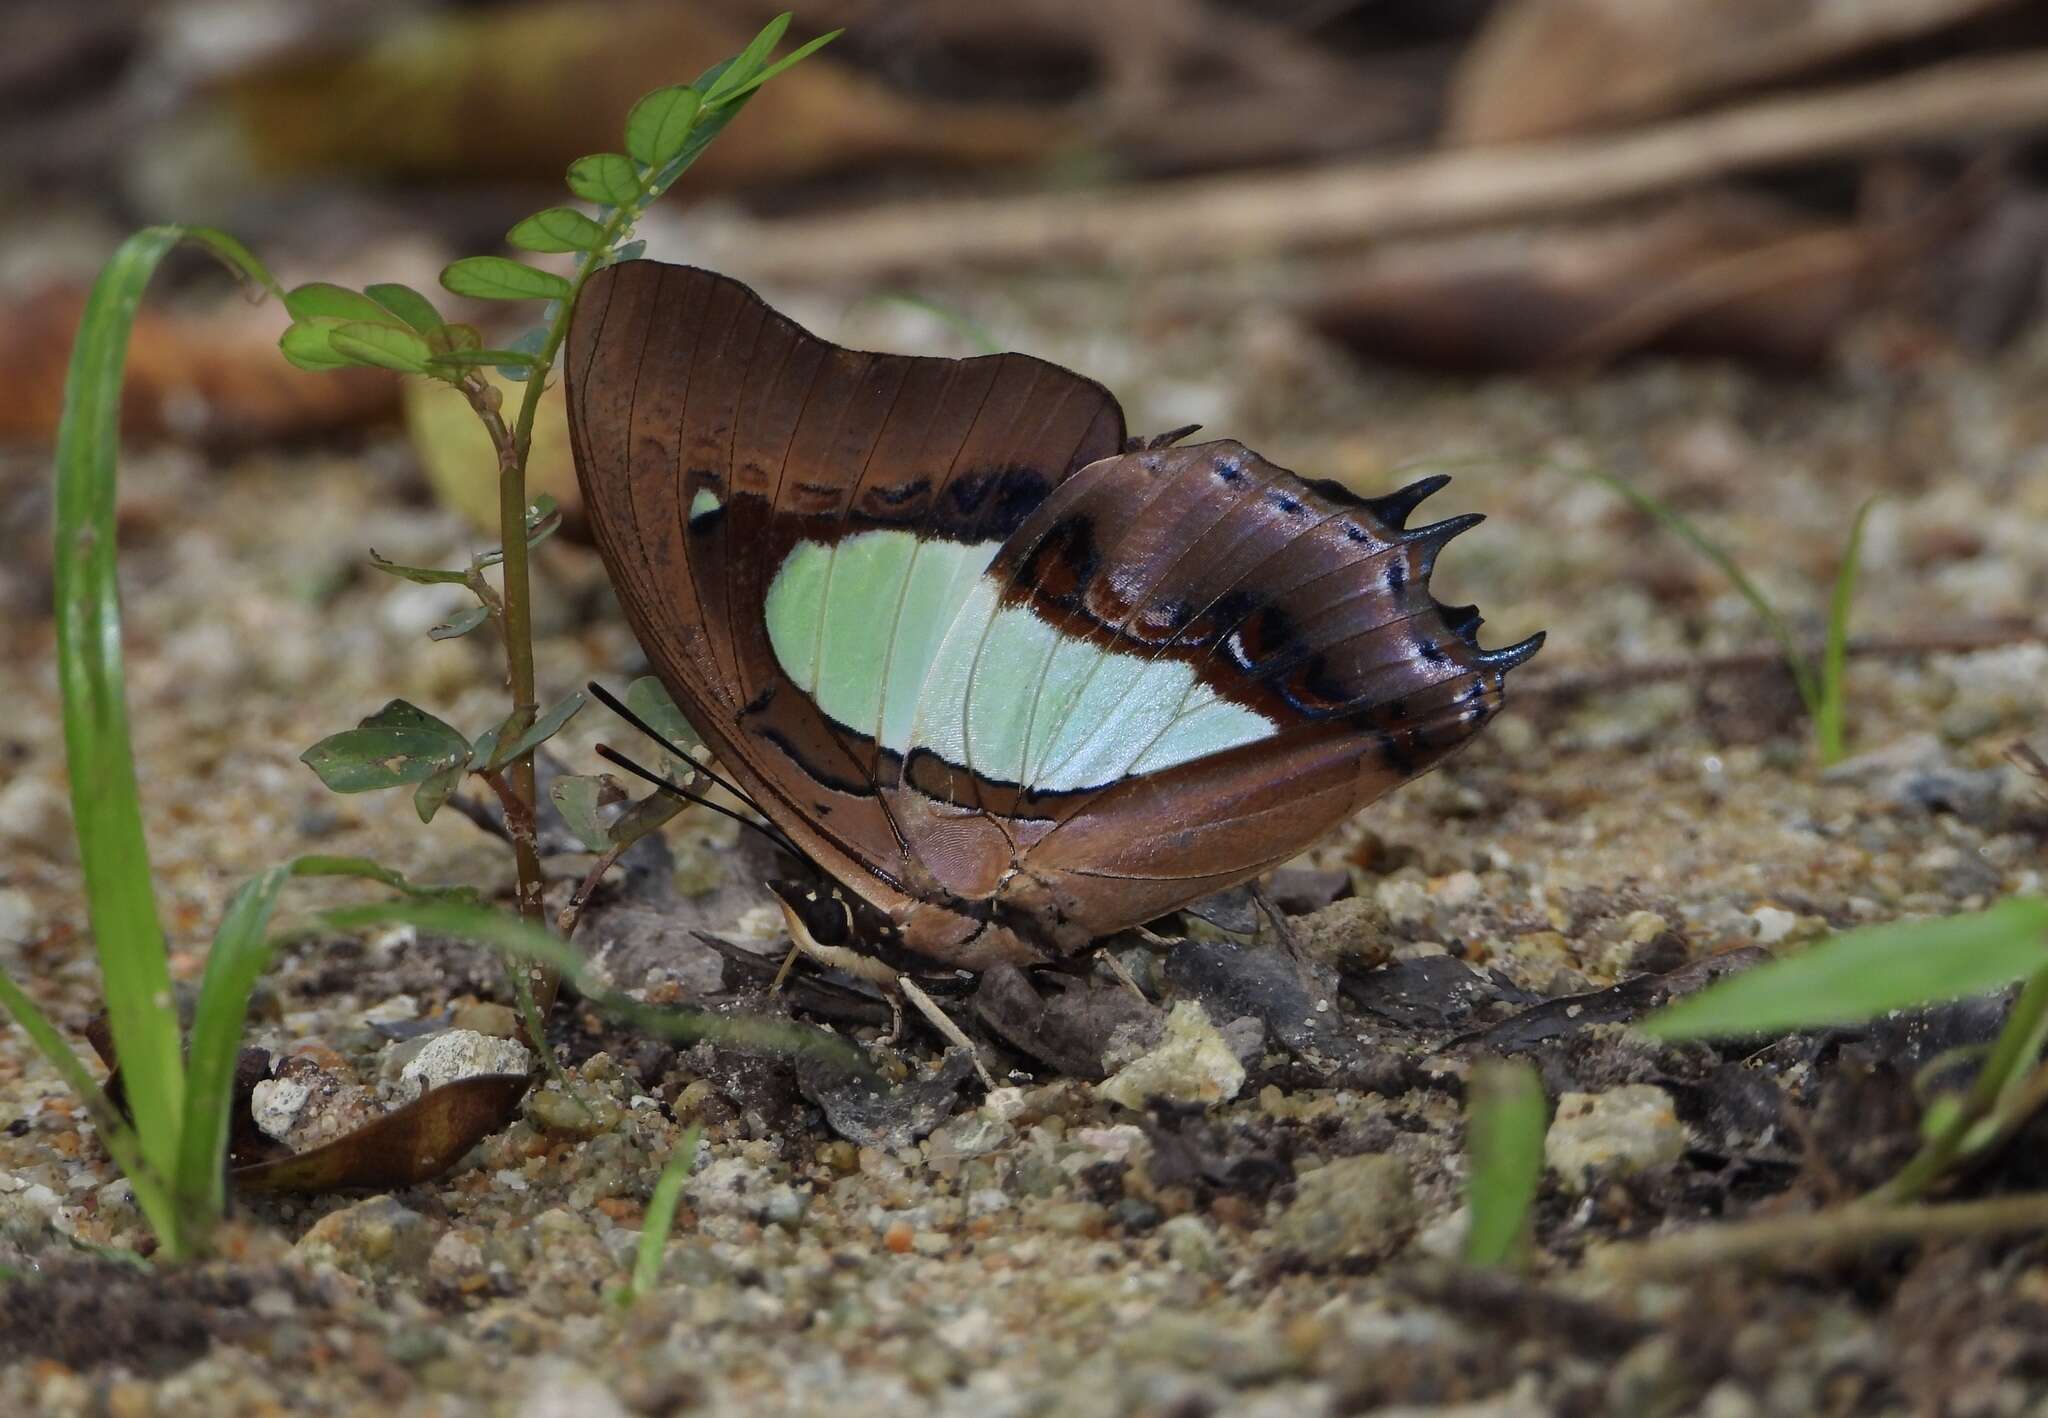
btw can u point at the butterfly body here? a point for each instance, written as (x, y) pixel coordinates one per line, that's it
(1014, 683)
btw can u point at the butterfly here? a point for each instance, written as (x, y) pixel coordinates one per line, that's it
(1013, 679)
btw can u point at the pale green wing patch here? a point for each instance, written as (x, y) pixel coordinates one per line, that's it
(907, 641)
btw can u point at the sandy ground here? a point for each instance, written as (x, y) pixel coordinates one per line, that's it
(1048, 1250)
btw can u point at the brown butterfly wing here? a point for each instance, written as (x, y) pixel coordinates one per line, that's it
(712, 435)
(1301, 603)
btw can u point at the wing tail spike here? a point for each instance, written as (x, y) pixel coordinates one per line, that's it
(1394, 507)
(1430, 540)
(1509, 656)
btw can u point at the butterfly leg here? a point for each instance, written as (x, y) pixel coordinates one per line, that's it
(895, 986)
(941, 1021)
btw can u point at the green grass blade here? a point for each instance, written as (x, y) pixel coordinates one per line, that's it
(1676, 522)
(1864, 973)
(517, 939)
(1830, 730)
(121, 1141)
(1505, 1120)
(661, 1213)
(240, 954)
(106, 806)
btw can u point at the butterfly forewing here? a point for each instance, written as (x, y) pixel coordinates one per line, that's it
(787, 522)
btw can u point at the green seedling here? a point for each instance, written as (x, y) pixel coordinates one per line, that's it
(1820, 684)
(1862, 974)
(179, 1095)
(1505, 1120)
(661, 1214)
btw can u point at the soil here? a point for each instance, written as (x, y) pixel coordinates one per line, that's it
(1043, 1248)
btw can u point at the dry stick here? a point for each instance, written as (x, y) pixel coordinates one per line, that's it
(1793, 1241)
(1627, 676)
(1221, 218)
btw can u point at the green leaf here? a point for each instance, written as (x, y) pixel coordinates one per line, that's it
(605, 178)
(746, 65)
(106, 806)
(647, 697)
(471, 359)
(1864, 973)
(408, 305)
(325, 300)
(787, 62)
(529, 344)
(483, 754)
(520, 940)
(424, 575)
(643, 816)
(433, 793)
(660, 124)
(241, 952)
(365, 869)
(557, 229)
(385, 346)
(461, 623)
(307, 346)
(581, 801)
(398, 744)
(498, 278)
(1505, 1120)
(540, 731)
(660, 1218)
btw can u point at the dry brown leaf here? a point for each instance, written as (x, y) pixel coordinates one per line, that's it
(216, 376)
(523, 90)
(412, 1144)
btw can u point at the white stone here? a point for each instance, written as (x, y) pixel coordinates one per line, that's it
(276, 1104)
(457, 1054)
(399, 1009)
(561, 1388)
(1773, 924)
(1623, 1130)
(1192, 1063)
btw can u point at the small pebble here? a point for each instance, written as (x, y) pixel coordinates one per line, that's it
(1355, 1207)
(1624, 1130)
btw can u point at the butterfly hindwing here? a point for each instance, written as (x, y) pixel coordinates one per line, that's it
(1217, 661)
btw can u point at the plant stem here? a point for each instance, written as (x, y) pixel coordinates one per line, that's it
(1791, 1241)
(2008, 1056)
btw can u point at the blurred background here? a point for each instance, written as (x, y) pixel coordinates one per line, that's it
(1764, 258)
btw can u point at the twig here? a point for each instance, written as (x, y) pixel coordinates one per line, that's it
(571, 914)
(1344, 204)
(1571, 684)
(1793, 1241)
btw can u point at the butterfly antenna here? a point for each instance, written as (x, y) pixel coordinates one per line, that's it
(617, 706)
(676, 790)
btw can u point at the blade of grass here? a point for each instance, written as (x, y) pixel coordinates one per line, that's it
(241, 951)
(524, 941)
(661, 1213)
(1681, 526)
(106, 806)
(121, 1141)
(1829, 720)
(1505, 1120)
(1861, 974)
(2011, 1056)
